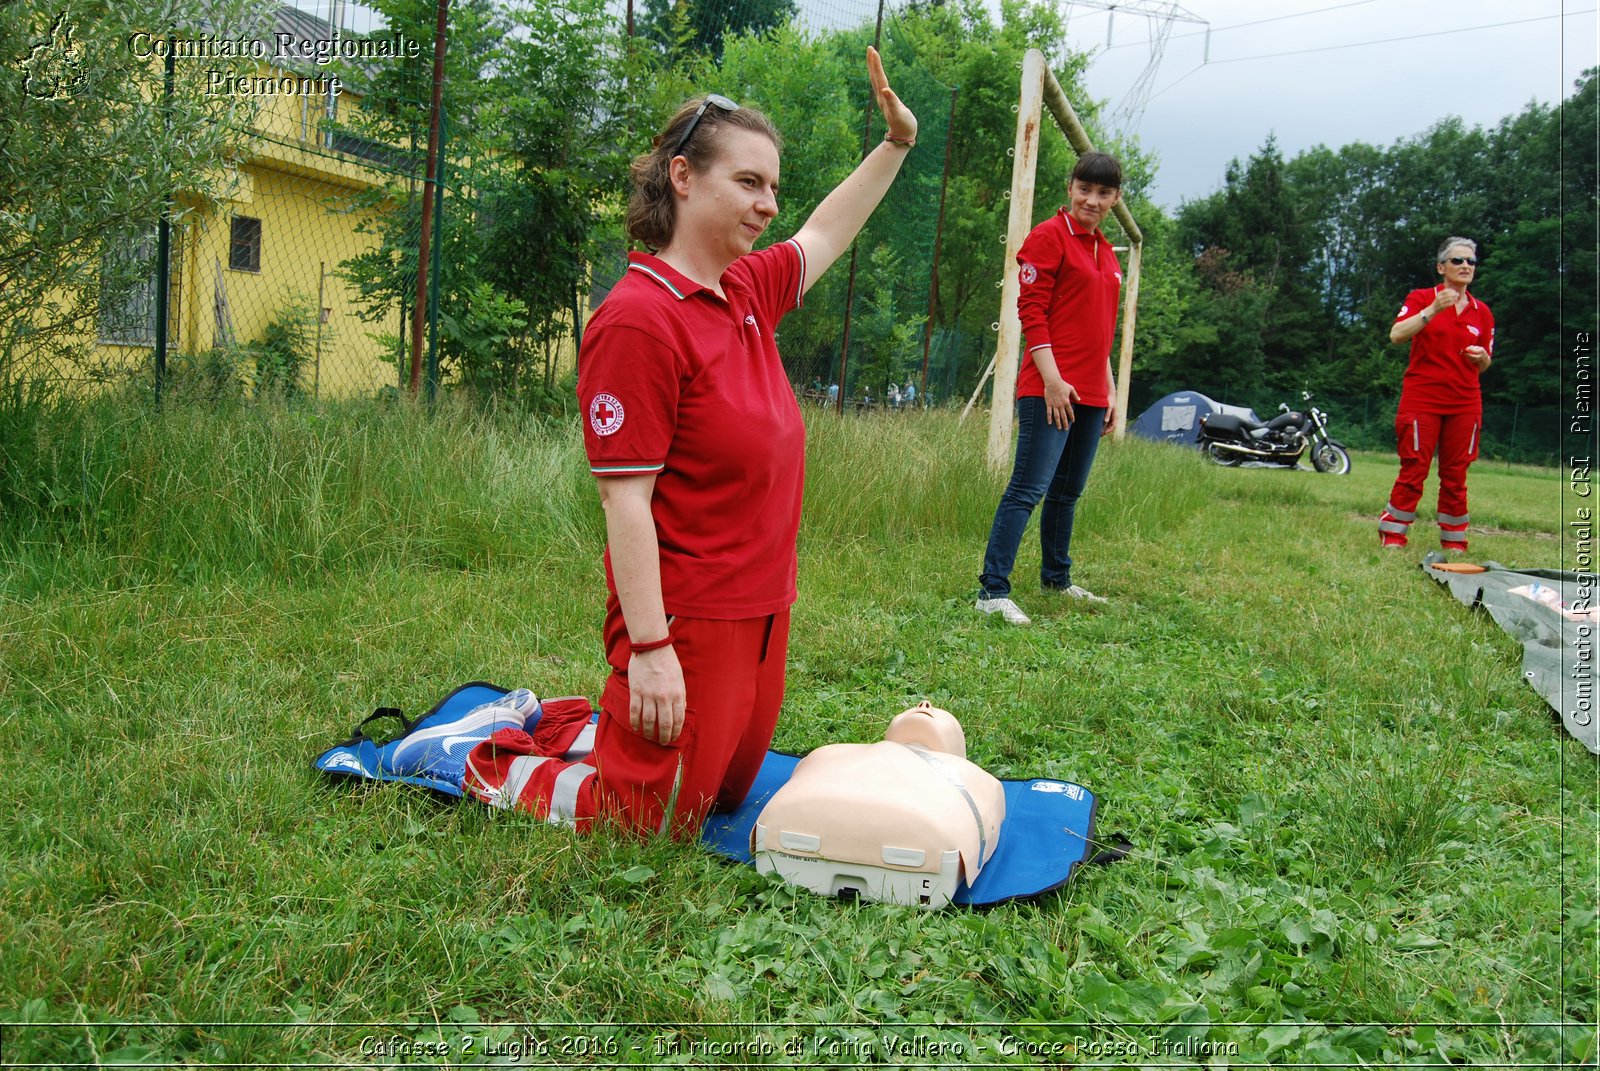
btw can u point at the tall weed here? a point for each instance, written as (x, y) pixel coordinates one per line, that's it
(904, 475)
(109, 494)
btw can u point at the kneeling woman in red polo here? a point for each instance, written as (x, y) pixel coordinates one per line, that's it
(697, 443)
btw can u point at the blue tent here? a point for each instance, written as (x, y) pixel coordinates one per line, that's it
(1176, 418)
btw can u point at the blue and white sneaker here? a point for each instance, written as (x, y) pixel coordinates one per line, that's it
(440, 748)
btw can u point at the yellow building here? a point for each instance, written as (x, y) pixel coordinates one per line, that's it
(277, 241)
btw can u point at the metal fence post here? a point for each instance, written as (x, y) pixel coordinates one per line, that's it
(441, 29)
(432, 386)
(164, 242)
(855, 247)
(938, 241)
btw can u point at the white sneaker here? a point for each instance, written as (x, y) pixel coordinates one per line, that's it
(1006, 609)
(1085, 594)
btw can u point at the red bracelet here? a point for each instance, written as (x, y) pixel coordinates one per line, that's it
(907, 142)
(653, 645)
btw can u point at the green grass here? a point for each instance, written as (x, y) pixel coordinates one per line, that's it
(1351, 820)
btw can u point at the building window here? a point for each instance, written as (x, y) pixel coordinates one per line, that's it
(245, 252)
(128, 282)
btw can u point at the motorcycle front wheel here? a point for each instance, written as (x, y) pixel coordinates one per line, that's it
(1331, 457)
(1222, 456)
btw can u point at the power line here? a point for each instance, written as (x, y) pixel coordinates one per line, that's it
(1408, 37)
(1294, 15)
(1365, 44)
(1174, 82)
(1127, 114)
(1258, 22)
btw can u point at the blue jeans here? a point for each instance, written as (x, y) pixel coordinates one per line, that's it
(1051, 464)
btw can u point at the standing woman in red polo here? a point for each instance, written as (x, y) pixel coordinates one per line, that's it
(1441, 410)
(697, 443)
(1067, 302)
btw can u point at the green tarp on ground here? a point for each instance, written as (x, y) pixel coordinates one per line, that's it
(1558, 650)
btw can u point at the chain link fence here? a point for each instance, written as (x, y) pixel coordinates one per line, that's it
(301, 281)
(263, 304)
(249, 286)
(304, 283)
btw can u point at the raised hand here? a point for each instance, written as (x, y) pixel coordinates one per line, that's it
(902, 123)
(834, 223)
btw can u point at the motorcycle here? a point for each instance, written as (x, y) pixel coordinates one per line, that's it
(1283, 440)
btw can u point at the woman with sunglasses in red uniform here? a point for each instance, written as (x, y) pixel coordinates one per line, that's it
(1441, 411)
(696, 440)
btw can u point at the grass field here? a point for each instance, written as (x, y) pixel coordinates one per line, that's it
(1358, 837)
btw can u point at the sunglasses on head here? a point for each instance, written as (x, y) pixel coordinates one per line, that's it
(711, 98)
(1458, 261)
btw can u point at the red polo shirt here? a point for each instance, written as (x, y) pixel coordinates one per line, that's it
(1068, 301)
(1439, 379)
(673, 380)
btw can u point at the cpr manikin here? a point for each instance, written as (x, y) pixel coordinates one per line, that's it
(905, 820)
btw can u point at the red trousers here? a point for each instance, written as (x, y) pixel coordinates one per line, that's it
(1420, 436)
(733, 682)
(733, 676)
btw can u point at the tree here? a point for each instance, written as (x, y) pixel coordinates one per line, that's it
(82, 95)
(564, 121)
(1579, 122)
(1261, 279)
(963, 46)
(694, 27)
(534, 166)
(1542, 244)
(887, 334)
(1168, 334)
(1378, 217)
(811, 88)
(395, 113)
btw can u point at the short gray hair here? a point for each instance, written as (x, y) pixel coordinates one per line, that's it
(1451, 242)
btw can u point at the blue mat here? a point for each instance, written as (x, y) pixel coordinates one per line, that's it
(1048, 830)
(430, 751)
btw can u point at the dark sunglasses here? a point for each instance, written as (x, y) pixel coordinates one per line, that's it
(711, 98)
(1458, 261)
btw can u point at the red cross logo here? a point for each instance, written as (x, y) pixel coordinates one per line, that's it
(605, 414)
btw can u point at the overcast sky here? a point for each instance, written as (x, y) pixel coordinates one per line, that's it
(1325, 72)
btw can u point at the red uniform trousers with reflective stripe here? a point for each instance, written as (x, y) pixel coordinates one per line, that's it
(1420, 435)
(733, 677)
(733, 683)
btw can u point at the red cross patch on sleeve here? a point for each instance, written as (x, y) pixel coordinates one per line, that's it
(605, 414)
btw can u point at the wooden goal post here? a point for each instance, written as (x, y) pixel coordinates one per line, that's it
(1040, 89)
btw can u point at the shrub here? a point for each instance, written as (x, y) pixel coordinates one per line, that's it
(286, 347)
